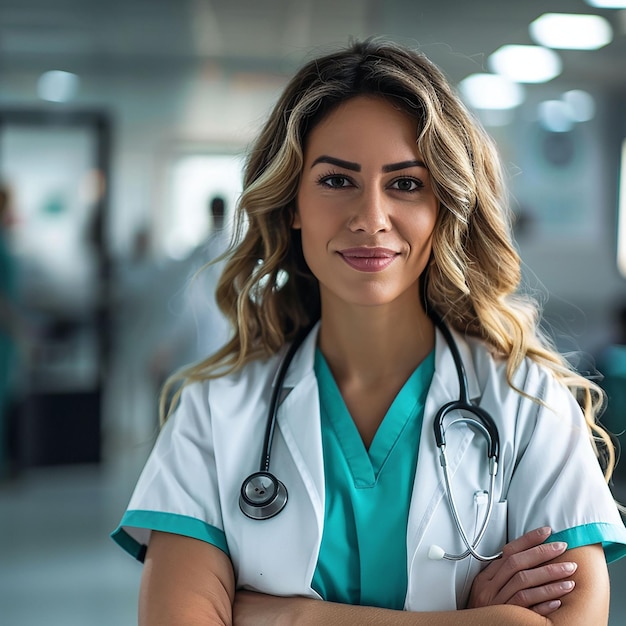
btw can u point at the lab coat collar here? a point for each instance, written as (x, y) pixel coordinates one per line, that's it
(302, 362)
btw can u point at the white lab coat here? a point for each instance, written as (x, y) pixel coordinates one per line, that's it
(548, 472)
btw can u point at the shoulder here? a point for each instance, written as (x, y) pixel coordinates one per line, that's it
(214, 410)
(531, 380)
(254, 374)
(233, 398)
(535, 408)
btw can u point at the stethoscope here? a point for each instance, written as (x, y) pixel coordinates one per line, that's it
(263, 496)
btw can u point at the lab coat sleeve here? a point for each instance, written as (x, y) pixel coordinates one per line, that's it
(177, 491)
(557, 480)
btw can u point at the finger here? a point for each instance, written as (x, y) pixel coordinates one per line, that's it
(527, 587)
(547, 608)
(528, 598)
(527, 560)
(536, 578)
(528, 540)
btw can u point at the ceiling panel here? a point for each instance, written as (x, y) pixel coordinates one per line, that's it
(277, 34)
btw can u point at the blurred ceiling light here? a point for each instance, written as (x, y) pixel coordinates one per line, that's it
(560, 116)
(490, 91)
(57, 86)
(526, 64)
(607, 4)
(581, 103)
(555, 116)
(571, 31)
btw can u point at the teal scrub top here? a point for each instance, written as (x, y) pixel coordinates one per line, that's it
(363, 558)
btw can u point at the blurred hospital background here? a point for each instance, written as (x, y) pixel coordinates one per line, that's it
(123, 123)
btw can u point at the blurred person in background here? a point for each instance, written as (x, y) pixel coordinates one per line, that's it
(11, 328)
(143, 289)
(375, 251)
(199, 328)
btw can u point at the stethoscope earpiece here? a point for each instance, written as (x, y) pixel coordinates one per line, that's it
(262, 496)
(436, 553)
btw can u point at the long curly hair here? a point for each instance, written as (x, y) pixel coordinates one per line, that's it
(267, 291)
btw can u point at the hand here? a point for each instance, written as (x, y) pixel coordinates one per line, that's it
(524, 575)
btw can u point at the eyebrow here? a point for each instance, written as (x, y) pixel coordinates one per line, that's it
(392, 167)
(348, 165)
(356, 167)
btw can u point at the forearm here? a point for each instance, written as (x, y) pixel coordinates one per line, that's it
(252, 609)
(185, 582)
(328, 614)
(586, 604)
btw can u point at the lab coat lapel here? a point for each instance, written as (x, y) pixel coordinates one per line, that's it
(435, 584)
(280, 554)
(299, 422)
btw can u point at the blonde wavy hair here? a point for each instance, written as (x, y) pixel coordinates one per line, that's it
(269, 294)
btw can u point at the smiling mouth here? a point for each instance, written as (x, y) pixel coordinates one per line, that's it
(368, 259)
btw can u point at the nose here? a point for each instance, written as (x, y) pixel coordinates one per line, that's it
(370, 214)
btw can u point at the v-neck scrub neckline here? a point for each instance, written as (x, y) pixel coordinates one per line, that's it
(368, 493)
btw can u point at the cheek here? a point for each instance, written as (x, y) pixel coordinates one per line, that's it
(301, 209)
(429, 223)
(422, 228)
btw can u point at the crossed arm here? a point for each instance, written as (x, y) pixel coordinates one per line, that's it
(187, 582)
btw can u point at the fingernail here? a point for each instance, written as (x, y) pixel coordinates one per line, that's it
(544, 531)
(567, 585)
(554, 604)
(559, 546)
(568, 568)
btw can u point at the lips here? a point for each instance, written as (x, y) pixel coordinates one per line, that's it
(368, 259)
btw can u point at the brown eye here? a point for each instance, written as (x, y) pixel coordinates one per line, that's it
(335, 181)
(407, 184)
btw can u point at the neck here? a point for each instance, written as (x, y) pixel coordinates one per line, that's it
(372, 344)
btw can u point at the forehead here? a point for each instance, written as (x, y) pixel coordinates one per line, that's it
(364, 123)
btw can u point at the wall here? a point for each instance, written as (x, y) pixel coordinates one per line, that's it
(159, 112)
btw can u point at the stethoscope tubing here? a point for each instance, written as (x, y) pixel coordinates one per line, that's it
(264, 507)
(278, 383)
(485, 424)
(471, 546)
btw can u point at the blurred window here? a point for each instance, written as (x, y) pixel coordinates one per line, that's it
(192, 181)
(51, 173)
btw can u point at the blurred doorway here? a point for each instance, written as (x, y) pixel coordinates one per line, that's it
(56, 164)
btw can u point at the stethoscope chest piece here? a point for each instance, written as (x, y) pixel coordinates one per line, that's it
(262, 496)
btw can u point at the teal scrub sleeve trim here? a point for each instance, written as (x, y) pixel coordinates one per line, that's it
(611, 536)
(169, 523)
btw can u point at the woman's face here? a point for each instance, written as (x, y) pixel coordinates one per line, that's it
(365, 205)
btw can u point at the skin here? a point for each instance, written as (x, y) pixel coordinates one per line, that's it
(364, 199)
(370, 202)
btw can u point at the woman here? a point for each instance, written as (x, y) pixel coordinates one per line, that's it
(372, 205)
